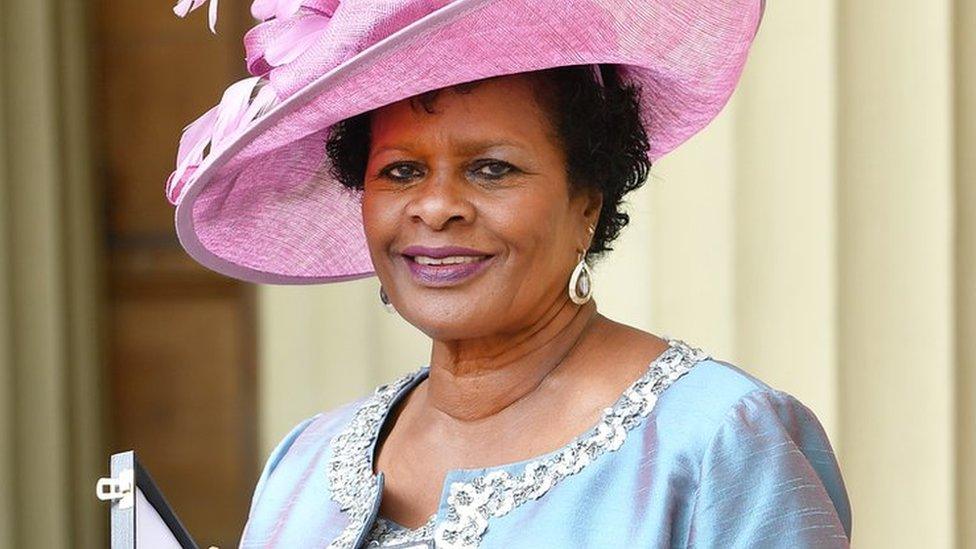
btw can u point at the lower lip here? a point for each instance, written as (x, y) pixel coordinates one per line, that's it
(445, 275)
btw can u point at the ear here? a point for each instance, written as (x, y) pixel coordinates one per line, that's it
(592, 206)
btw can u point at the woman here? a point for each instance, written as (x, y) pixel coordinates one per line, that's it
(479, 204)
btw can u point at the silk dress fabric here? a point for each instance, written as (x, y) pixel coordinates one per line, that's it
(721, 460)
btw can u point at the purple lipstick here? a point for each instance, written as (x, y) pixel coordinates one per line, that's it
(444, 266)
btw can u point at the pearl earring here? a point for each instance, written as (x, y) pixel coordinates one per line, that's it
(581, 282)
(385, 299)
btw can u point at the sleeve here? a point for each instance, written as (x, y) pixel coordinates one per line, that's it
(769, 478)
(276, 455)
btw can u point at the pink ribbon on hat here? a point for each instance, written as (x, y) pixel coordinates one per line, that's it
(288, 30)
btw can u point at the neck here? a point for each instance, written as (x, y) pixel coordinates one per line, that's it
(474, 380)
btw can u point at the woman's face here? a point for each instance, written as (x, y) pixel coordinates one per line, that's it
(469, 217)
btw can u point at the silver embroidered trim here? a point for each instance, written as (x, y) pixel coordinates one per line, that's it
(352, 484)
(386, 533)
(471, 504)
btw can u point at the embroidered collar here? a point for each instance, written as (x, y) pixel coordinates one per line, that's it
(386, 533)
(473, 503)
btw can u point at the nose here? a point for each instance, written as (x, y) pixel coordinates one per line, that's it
(439, 201)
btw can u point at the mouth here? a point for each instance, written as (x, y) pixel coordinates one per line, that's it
(444, 267)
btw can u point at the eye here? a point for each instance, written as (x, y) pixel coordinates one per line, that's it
(493, 169)
(400, 172)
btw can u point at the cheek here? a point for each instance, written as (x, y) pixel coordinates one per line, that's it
(535, 226)
(379, 221)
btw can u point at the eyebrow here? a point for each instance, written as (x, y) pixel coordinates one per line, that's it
(462, 147)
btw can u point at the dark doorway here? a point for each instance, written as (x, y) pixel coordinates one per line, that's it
(181, 343)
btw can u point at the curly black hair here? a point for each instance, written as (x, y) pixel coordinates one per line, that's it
(599, 128)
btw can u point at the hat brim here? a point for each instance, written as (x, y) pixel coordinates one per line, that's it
(264, 208)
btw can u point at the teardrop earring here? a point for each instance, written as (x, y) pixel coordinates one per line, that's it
(581, 282)
(385, 299)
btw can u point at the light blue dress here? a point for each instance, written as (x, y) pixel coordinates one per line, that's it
(696, 453)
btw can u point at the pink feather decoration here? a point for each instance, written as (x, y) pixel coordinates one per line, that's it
(279, 9)
(184, 7)
(238, 108)
(283, 9)
(288, 29)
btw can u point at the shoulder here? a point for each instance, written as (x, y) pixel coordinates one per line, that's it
(739, 431)
(302, 443)
(700, 401)
(307, 443)
(719, 408)
(292, 499)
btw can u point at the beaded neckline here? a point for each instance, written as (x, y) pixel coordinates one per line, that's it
(500, 489)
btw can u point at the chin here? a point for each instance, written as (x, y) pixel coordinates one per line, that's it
(447, 320)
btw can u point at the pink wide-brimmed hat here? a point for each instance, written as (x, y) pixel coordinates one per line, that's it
(253, 192)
